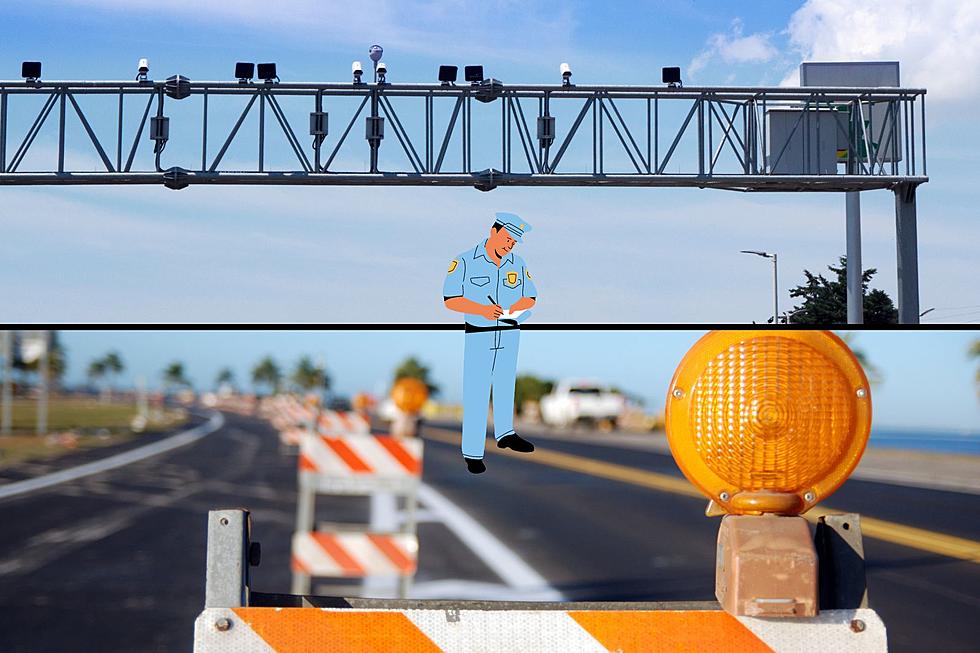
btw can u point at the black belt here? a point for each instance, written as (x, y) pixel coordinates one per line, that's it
(508, 325)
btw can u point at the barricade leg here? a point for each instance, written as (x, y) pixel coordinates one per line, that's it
(304, 523)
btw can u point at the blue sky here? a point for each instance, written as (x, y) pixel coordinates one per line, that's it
(379, 255)
(928, 382)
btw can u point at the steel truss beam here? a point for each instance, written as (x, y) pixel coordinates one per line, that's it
(729, 126)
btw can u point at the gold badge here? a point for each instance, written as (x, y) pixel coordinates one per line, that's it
(512, 278)
(452, 266)
(527, 272)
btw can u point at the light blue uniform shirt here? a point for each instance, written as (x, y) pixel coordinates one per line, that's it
(474, 276)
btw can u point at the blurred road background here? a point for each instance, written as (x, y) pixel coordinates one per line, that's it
(116, 560)
(117, 444)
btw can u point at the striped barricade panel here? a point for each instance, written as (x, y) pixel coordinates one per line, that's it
(292, 435)
(288, 630)
(336, 422)
(359, 464)
(360, 455)
(354, 554)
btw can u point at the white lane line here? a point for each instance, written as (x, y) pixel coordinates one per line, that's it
(503, 561)
(181, 439)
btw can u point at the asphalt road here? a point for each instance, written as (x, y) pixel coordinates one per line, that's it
(116, 561)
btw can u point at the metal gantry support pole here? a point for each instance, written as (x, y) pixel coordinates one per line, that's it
(855, 267)
(855, 287)
(907, 250)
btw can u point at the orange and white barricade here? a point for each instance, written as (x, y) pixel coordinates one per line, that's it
(285, 411)
(342, 421)
(291, 435)
(359, 464)
(385, 468)
(355, 554)
(293, 420)
(566, 628)
(237, 619)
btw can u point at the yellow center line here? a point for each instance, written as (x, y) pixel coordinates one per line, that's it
(909, 536)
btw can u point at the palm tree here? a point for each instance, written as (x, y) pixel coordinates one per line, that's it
(114, 366)
(225, 377)
(173, 376)
(96, 371)
(267, 373)
(309, 376)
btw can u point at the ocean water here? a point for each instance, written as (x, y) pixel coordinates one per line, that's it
(924, 440)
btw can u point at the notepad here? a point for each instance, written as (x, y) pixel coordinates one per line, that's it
(507, 315)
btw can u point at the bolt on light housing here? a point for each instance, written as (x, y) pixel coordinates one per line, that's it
(473, 74)
(768, 422)
(267, 72)
(566, 74)
(244, 71)
(30, 71)
(142, 68)
(448, 74)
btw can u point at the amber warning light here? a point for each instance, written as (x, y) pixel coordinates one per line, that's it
(768, 422)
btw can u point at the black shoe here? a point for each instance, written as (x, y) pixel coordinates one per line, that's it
(515, 442)
(475, 465)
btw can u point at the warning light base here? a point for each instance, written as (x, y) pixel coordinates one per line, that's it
(766, 567)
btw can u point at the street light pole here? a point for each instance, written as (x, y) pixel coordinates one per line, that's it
(775, 281)
(775, 291)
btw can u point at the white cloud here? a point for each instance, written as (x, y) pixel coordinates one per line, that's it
(937, 42)
(734, 48)
(495, 29)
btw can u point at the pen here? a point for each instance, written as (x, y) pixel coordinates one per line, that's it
(495, 303)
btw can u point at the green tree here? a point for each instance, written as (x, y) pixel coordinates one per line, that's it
(267, 373)
(412, 368)
(309, 376)
(528, 387)
(174, 377)
(57, 359)
(825, 300)
(870, 369)
(114, 366)
(225, 376)
(96, 371)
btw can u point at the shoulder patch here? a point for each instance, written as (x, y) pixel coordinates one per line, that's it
(452, 266)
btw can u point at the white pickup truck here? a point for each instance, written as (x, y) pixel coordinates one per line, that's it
(577, 401)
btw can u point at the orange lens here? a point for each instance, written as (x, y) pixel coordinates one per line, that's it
(409, 394)
(755, 415)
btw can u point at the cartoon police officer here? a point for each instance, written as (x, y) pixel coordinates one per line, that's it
(490, 285)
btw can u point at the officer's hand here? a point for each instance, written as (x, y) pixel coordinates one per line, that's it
(492, 311)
